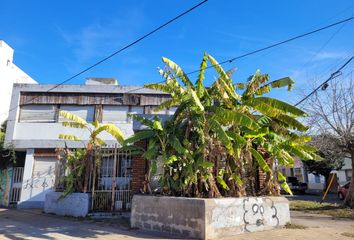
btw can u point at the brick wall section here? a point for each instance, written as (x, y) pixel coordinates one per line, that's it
(261, 179)
(139, 168)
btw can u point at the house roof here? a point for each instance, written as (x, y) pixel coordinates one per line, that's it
(71, 88)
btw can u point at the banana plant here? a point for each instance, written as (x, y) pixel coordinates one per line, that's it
(223, 133)
(94, 129)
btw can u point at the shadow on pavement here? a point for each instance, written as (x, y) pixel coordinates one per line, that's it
(24, 224)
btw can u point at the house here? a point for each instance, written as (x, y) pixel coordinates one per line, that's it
(317, 182)
(345, 173)
(35, 125)
(9, 74)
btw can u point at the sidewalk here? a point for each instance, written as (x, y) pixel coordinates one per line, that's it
(32, 224)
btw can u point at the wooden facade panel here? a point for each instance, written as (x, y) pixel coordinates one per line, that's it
(70, 98)
(92, 98)
(154, 100)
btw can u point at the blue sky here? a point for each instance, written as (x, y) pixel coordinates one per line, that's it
(54, 40)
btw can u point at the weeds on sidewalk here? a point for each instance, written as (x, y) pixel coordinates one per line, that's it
(294, 226)
(333, 210)
(347, 234)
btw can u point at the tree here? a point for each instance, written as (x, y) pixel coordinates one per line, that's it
(7, 153)
(333, 156)
(80, 162)
(332, 113)
(218, 138)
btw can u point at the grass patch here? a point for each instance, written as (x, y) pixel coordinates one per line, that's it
(294, 226)
(330, 209)
(347, 234)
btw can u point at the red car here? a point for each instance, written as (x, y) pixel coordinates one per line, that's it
(342, 191)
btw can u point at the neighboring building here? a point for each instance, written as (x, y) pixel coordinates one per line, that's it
(36, 126)
(317, 182)
(345, 173)
(9, 74)
(296, 171)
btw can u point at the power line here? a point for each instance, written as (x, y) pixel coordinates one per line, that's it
(262, 49)
(333, 75)
(208, 67)
(122, 49)
(279, 43)
(324, 45)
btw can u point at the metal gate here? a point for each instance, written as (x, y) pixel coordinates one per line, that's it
(16, 185)
(111, 181)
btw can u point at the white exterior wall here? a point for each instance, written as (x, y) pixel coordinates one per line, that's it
(38, 180)
(29, 136)
(9, 74)
(312, 184)
(343, 173)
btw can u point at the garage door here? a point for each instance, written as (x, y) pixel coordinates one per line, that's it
(43, 175)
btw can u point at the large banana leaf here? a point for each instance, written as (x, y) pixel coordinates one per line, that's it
(286, 81)
(138, 136)
(69, 137)
(167, 104)
(237, 137)
(227, 116)
(196, 99)
(221, 134)
(284, 184)
(260, 160)
(111, 129)
(158, 87)
(223, 184)
(72, 117)
(147, 122)
(292, 122)
(296, 151)
(265, 102)
(199, 82)
(73, 125)
(176, 144)
(178, 71)
(257, 133)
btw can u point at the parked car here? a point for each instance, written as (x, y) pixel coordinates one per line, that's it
(295, 185)
(342, 191)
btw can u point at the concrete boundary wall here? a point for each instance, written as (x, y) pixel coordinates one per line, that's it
(75, 204)
(208, 218)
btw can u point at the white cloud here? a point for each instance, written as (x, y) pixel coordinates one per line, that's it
(100, 38)
(328, 56)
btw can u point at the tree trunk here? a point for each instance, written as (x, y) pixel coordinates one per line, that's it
(88, 166)
(349, 199)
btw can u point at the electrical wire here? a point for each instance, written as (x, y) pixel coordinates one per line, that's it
(120, 50)
(262, 49)
(208, 67)
(333, 75)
